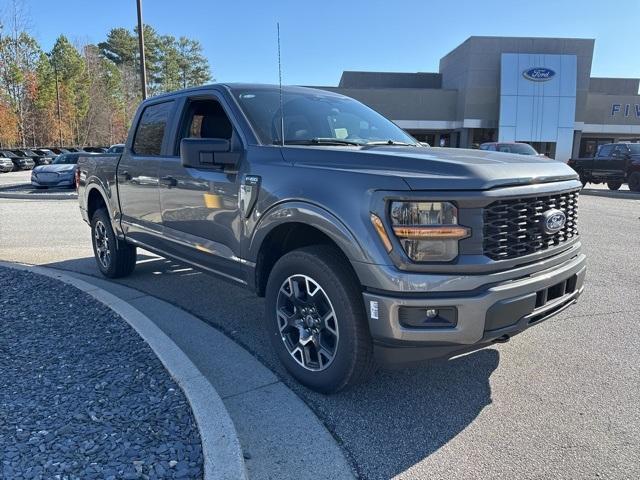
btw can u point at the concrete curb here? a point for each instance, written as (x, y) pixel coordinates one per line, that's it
(610, 194)
(6, 192)
(223, 457)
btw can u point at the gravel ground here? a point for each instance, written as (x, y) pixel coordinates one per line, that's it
(81, 395)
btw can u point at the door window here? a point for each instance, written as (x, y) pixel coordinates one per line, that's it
(151, 129)
(621, 150)
(205, 119)
(605, 151)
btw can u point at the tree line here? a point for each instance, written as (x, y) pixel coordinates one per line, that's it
(85, 94)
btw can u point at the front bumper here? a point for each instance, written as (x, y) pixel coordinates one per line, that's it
(486, 314)
(65, 182)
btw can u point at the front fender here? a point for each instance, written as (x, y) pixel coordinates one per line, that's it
(308, 214)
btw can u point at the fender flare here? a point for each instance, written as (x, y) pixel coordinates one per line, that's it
(94, 183)
(308, 214)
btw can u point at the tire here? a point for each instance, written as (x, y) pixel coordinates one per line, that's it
(115, 258)
(342, 333)
(583, 180)
(614, 185)
(634, 182)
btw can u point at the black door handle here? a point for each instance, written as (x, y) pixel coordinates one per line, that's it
(125, 175)
(169, 181)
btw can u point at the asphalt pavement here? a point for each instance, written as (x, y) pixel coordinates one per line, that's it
(558, 401)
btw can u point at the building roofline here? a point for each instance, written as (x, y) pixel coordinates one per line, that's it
(515, 38)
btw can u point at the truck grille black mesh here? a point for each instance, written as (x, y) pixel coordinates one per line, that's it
(512, 228)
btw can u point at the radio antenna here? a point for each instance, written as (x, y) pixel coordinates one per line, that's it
(280, 88)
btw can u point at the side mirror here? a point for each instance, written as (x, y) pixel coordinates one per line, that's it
(207, 153)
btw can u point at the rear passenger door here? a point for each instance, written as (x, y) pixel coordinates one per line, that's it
(137, 175)
(602, 161)
(618, 161)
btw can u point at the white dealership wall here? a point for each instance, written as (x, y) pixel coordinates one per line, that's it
(538, 111)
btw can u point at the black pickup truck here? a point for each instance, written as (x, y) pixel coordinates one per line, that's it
(369, 247)
(613, 164)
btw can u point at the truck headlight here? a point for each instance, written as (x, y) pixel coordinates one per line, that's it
(428, 231)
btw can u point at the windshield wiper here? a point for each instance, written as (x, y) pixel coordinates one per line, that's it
(391, 142)
(321, 141)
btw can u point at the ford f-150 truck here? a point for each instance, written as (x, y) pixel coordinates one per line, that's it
(369, 247)
(613, 164)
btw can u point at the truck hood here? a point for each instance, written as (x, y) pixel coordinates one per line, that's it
(425, 168)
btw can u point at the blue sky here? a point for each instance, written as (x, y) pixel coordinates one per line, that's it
(321, 39)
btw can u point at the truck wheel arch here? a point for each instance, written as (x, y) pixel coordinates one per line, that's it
(289, 226)
(95, 200)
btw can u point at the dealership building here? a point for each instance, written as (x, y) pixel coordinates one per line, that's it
(534, 90)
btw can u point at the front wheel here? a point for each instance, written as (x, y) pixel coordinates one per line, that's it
(316, 320)
(634, 182)
(583, 181)
(115, 258)
(614, 185)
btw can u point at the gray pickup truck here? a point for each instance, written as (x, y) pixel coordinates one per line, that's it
(369, 247)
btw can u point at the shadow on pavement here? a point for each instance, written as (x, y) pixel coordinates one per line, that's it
(401, 417)
(387, 425)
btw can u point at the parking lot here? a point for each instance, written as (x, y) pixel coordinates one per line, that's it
(558, 401)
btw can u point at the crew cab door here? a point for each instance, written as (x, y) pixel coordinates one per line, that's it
(137, 174)
(618, 161)
(200, 212)
(602, 162)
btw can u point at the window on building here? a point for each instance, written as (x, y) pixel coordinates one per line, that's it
(151, 129)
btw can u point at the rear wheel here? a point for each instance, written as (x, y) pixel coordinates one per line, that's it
(634, 182)
(316, 320)
(614, 185)
(115, 258)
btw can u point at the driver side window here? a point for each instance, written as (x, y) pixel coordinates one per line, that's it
(205, 119)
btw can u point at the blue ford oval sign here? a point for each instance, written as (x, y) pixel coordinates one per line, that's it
(538, 74)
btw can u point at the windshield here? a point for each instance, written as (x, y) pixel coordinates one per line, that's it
(312, 117)
(519, 148)
(65, 159)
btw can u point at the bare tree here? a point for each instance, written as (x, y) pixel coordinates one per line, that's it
(19, 53)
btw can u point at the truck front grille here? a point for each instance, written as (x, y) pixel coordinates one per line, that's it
(513, 228)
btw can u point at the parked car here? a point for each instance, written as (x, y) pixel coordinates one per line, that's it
(46, 155)
(58, 150)
(25, 152)
(19, 162)
(6, 165)
(367, 246)
(95, 149)
(511, 147)
(61, 172)
(117, 148)
(613, 164)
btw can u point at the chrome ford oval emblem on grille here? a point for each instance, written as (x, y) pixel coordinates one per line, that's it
(553, 220)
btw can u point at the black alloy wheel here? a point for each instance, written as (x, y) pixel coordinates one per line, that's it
(307, 322)
(115, 258)
(316, 320)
